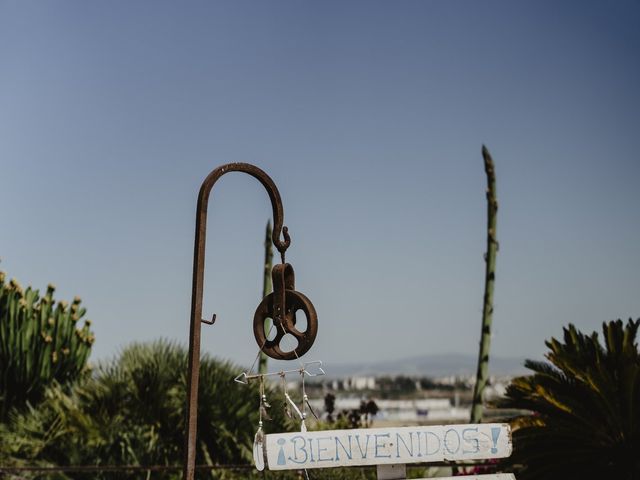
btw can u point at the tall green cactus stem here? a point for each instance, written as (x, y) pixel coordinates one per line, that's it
(40, 343)
(482, 374)
(267, 287)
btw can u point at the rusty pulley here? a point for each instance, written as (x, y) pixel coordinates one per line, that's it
(286, 301)
(282, 306)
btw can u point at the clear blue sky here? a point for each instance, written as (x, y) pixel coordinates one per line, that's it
(370, 118)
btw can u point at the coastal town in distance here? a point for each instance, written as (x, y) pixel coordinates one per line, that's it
(399, 399)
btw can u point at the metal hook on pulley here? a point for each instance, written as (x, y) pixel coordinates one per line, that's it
(290, 300)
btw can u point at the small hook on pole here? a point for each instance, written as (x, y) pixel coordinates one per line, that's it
(198, 287)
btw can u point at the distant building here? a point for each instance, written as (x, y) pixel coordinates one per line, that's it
(403, 411)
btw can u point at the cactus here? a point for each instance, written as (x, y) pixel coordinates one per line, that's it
(267, 288)
(41, 341)
(489, 280)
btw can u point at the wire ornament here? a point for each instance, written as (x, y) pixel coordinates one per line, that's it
(308, 369)
(259, 439)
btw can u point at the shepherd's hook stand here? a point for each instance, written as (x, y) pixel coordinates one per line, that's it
(281, 306)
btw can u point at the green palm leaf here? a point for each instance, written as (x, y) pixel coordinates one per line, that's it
(584, 405)
(132, 411)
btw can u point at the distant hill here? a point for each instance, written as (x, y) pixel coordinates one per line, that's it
(435, 365)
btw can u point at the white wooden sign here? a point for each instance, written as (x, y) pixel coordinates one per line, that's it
(379, 446)
(495, 476)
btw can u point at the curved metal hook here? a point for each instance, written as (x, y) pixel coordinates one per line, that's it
(267, 183)
(198, 284)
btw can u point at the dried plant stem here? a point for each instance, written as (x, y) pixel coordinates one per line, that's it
(482, 374)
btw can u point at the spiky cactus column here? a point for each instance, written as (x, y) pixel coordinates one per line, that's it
(267, 287)
(489, 280)
(41, 341)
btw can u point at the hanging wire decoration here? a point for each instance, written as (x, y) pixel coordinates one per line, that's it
(309, 369)
(281, 306)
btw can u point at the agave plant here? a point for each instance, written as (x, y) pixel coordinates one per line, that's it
(586, 408)
(41, 341)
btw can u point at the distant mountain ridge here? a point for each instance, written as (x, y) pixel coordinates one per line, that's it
(433, 365)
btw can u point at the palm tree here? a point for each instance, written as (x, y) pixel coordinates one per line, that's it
(132, 413)
(586, 408)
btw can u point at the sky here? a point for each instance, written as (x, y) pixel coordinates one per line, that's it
(370, 117)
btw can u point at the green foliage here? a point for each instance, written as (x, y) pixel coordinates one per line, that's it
(40, 342)
(586, 421)
(132, 411)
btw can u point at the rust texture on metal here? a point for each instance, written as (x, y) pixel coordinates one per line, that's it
(289, 301)
(281, 306)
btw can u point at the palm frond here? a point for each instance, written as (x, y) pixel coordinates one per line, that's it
(585, 404)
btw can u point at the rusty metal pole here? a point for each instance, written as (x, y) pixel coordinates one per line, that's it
(267, 288)
(197, 289)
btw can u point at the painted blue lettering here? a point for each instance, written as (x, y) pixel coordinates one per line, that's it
(363, 453)
(495, 433)
(383, 445)
(311, 450)
(349, 453)
(281, 458)
(448, 442)
(426, 444)
(400, 438)
(471, 439)
(322, 449)
(300, 448)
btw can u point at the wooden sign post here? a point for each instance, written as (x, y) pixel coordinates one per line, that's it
(389, 446)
